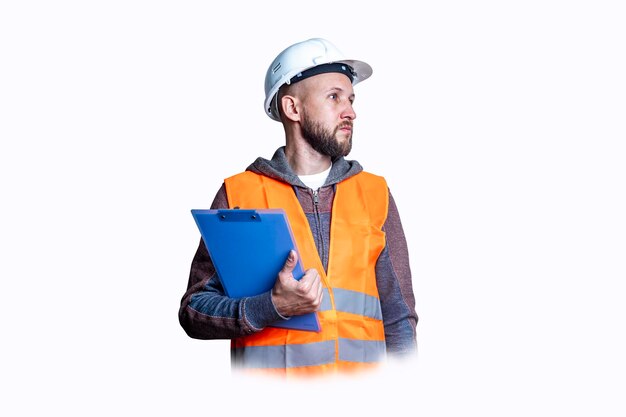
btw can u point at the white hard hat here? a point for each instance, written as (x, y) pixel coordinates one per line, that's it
(302, 56)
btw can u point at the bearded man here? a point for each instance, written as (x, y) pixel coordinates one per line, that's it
(348, 233)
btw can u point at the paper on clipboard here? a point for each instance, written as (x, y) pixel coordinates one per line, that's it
(248, 249)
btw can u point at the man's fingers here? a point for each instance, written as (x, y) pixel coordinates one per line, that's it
(310, 287)
(320, 292)
(308, 280)
(290, 263)
(292, 297)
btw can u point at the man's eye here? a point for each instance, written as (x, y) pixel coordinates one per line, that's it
(333, 96)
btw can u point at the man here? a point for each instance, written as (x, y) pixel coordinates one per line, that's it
(349, 237)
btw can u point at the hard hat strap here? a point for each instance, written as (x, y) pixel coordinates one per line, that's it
(324, 68)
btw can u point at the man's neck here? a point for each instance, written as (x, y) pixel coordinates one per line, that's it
(304, 160)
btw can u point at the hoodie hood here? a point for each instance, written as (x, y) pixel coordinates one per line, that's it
(278, 168)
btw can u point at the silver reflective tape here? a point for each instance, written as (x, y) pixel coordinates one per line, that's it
(285, 356)
(357, 303)
(259, 357)
(311, 354)
(353, 350)
(326, 304)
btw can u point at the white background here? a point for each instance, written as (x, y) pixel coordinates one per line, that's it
(499, 126)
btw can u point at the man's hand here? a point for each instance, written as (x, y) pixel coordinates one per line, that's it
(292, 297)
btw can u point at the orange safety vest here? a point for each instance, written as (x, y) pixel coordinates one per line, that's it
(352, 335)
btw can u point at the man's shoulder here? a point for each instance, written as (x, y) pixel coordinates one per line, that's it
(370, 177)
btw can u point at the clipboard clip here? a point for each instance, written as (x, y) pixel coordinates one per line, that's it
(238, 215)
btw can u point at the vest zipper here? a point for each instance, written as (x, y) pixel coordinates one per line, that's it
(320, 235)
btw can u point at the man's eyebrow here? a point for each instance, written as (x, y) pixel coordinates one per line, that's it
(339, 89)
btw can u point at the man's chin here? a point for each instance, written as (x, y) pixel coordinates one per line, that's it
(346, 146)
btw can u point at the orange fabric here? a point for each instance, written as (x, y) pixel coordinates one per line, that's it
(359, 212)
(351, 326)
(354, 235)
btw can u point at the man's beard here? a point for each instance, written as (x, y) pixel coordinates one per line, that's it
(324, 140)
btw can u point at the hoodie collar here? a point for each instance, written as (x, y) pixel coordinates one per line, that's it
(278, 168)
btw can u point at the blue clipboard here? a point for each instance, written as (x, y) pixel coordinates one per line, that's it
(248, 249)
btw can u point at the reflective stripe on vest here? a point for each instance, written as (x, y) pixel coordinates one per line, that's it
(350, 315)
(309, 354)
(352, 302)
(280, 356)
(357, 303)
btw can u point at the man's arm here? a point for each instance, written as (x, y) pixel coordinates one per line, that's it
(395, 288)
(207, 313)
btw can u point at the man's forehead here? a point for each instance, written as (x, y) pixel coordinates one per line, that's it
(329, 81)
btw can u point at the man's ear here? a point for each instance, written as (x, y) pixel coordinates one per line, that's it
(289, 108)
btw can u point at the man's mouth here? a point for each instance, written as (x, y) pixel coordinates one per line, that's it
(346, 126)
